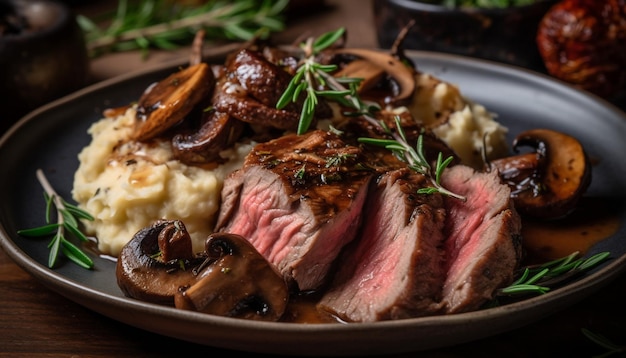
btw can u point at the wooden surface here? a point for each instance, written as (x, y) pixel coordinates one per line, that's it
(37, 322)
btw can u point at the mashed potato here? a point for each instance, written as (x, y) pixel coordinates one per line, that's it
(465, 126)
(127, 185)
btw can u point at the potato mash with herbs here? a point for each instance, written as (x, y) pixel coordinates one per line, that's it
(126, 185)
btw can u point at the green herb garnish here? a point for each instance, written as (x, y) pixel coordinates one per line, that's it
(541, 278)
(164, 25)
(338, 159)
(300, 173)
(416, 159)
(314, 79)
(610, 347)
(67, 220)
(309, 77)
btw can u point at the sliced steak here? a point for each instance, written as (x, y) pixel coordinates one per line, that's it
(483, 245)
(395, 270)
(420, 255)
(298, 200)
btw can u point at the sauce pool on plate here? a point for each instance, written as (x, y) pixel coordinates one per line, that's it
(593, 220)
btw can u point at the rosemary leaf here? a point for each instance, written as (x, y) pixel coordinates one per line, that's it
(75, 254)
(525, 289)
(76, 232)
(594, 261)
(68, 219)
(54, 247)
(377, 141)
(78, 212)
(39, 231)
(327, 39)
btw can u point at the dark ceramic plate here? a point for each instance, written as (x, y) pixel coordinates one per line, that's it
(51, 137)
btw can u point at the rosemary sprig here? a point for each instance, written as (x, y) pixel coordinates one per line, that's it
(416, 159)
(165, 25)
(309, 75)
(541, 278)
(610, 347)
(314, 79)
(67, 219)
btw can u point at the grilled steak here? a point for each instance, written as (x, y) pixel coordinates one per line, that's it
(298, 200)
(395, 269)
(483, 245)
(421, 255)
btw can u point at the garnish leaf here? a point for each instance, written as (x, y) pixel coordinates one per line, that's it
(540, 279)
(40, 231)
(68, 216)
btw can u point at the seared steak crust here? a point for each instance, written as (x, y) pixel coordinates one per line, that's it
(298, 200)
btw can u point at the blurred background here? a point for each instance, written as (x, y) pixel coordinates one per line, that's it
(49, 48)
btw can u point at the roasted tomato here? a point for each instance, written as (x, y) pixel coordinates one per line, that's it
(583, 42)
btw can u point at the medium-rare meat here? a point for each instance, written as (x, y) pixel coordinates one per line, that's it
(395, 269)
(483, 245)
(420, 255)
(298, 200)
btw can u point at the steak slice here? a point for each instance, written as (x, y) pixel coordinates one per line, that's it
(298, 200)
(395, 269)
(483, 245)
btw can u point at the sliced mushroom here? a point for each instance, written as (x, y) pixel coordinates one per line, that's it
(218, 132)
(239, 283)
(360, 68)
(143, 275)
(170, 100)
(548, 183)
(403, 75)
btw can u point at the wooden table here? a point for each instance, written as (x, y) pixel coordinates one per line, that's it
(37, 322)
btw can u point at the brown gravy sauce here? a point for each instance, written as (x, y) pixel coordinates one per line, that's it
(593, 221)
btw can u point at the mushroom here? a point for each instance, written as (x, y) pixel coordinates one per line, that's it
(548, 183)
(144, 275)
(217, 132)
(239, 283)
(370, 63)
(169, 101)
